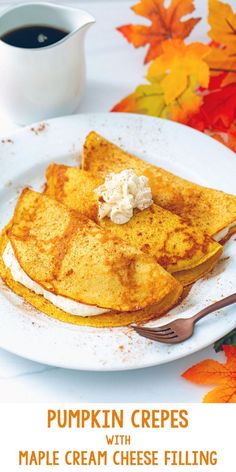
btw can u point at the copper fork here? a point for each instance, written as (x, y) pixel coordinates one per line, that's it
(181, 329)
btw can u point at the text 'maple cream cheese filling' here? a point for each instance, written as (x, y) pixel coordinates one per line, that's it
(66, 304)
(121, 193)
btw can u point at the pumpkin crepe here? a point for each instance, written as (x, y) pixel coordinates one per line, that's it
(211, 210)
(183, 250)
(69, 256)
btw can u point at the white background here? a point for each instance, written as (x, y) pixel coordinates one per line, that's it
(114, 69)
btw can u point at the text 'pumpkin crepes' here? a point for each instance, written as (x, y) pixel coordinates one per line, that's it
(211, 210)
(70, 256)
(183, 250)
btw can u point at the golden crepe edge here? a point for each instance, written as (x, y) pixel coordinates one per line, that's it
(75, 188)
(206, 208)
(111, 319)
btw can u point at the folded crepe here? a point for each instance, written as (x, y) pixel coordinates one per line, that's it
(59, 260)
(211, 210)
(182, 250)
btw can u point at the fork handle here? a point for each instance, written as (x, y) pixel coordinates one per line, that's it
(214, 307)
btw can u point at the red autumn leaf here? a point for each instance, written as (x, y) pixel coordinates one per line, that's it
(166, 23)
(218, 110)
(216, 81)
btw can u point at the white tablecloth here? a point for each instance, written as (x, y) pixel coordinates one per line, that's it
(114, 68)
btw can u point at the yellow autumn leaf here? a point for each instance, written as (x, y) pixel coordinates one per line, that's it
(222, 20)
(149, 99)
(177, 66)
(186, 105)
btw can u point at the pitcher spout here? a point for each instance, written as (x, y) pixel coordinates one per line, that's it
(77, 19)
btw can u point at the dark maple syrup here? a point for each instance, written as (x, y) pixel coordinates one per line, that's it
(31, 37)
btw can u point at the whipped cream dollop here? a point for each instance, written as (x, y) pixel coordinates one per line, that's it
(66, 304)
(121, 193)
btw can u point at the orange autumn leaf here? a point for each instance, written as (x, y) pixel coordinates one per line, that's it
(222, 21)
(178, 66)
(166, 23)
(222, 58)
(211, 372)
(174, 78)
(128, 104)
(222, 394)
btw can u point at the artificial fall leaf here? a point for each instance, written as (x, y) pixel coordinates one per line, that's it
(216, 81)
(217, 114)
(185, 105)
(222, 58)
(177, 66)
(210, 372)
(222, 394)
(217, 111)
(149, 99)
(222, 20)
(220, 107)
(166, 23)
(174, 78)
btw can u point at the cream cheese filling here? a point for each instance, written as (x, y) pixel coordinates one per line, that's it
(66, 304)
(221, 234)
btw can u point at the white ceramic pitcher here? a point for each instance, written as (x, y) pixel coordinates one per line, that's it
(44, 82)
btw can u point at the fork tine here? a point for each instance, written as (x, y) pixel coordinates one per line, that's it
(161, 329)
(162, 339)
(154, 332)
(157, 330)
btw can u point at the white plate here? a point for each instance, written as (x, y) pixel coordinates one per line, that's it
(24, 157)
